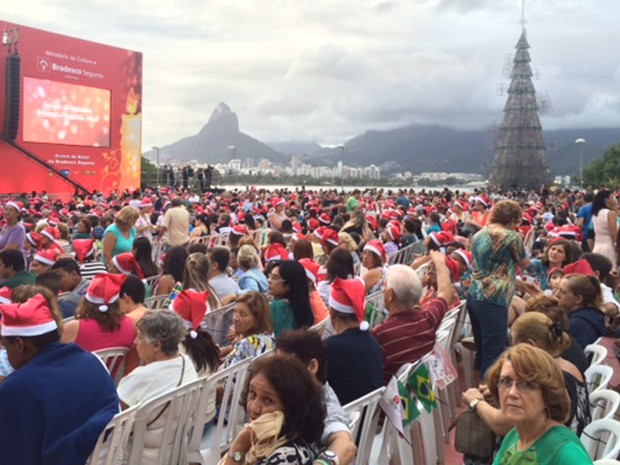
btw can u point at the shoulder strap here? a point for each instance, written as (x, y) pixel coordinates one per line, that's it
(161, 412)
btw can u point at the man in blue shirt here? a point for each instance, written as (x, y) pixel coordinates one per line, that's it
(584, 220)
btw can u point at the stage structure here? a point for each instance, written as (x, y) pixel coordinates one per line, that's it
(70, 113)
(520, 159)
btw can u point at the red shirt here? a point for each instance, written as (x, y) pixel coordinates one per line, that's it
(406, 337)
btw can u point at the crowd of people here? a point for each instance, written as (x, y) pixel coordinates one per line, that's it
(538, 273)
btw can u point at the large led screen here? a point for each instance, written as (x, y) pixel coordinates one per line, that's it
(60, 113)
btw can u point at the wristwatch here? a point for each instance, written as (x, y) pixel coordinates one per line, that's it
(473, 403)
(330, 456)
(236, 456)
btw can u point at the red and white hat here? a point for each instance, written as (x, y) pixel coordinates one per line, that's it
(376, 247)
(442, 238)
(239, 230)
(277, 201)
(126, 263)
(319, 232)
(47, 257)
(15, 204)
(330, 236)
(484, 200)
(313, 224)
(191, 306)
(105, 289)
(32, 318)
(5, 295)
(51, 233)
(312, 269)
(35, 239)
(84, 248)
(579, 267)
(146, 203)
(466, 256)
(325, 219)
(453, 268)
(393, 230)
(275, 253)
(372, 222)
(347, 296)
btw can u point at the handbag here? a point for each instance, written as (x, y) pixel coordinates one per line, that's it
(472, 436)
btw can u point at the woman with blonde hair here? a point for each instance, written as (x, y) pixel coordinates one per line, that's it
(119, 236)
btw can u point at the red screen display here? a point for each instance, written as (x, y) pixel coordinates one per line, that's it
(61, 113)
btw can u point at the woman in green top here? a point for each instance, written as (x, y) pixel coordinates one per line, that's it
(530, 389)
(118, 237)
(290, 307)
(83, 229)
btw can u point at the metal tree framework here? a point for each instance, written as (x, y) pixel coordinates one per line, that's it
(520, 160)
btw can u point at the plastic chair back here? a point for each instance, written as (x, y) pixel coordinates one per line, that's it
(155, 302)
(596, 354)
(114, 360)
(598, 377)
(217, 323)
(601, 438)
(363, 416)
(604, 403)
(113, 439)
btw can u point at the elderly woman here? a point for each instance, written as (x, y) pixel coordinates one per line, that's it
(286, 415)
(252, 279)
(496, 251)
(119, 236)
(252, 324)
(157, 341)
(530, 389)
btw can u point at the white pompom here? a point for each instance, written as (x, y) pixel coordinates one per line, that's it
(364, 325)
(103, 308)
(193, 334)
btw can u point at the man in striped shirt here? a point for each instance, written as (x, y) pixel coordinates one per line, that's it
(409, 332)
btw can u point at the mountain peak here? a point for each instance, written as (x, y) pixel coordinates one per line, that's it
(221, 111)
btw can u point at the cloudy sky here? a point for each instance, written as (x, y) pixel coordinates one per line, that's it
(327, 70)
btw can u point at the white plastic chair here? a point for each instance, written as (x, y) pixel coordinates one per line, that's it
(606, 462)
(604, 403)
(114, 360)
(151, 282)
(113, 439)
(320, 327)
(174, 423)
(377, 307)
(598, 354)
(599, 448)
(232, 379)
(363, 416)
(155, 302)
(598, 377)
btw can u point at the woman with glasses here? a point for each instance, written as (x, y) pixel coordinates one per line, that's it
(530, 389)
(290, 307)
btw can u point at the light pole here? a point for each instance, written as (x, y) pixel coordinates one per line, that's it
(158, 174)
(580, 143)
(341, 148)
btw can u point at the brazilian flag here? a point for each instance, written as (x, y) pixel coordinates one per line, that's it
(408, 407)
(420, 383)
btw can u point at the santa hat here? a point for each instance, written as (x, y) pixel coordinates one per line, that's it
(5, 295)
(277, 201)
(312, 269)
(313, 224)
(393, 229)
(275, 253)
(29, 319)
(15, 204)
(146, 203)
(372, 222)
(296, 227)
(394, 215)
(191, 306)
(442, 238)
(347, 296)
(84, 248)
(448, 225)
(376, 247)
(466, 256)
(51, 233)
(126, 263)
(453, 268)
(461, 205)
(297, 237)
(239, 230)
(550, 271)
(35, 239)
(53, 220)
(320, 231)
(325, 219)
(105, 289)
(484, 200)
(578, 267)
(47, 257)
(330, 236)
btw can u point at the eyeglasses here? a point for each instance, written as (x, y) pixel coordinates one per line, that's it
(522, 386)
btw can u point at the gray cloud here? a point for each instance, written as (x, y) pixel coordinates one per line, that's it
(328, 70)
